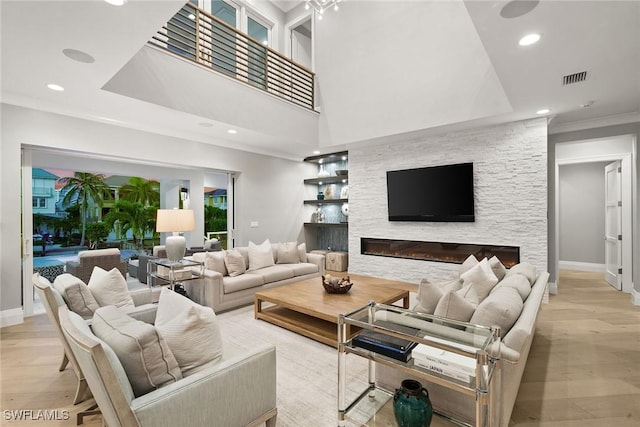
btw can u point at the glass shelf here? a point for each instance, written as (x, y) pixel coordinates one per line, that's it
(326, 202)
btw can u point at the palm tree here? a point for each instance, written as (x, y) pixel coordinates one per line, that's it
(82, 188)
(132, 216)
(146, 192)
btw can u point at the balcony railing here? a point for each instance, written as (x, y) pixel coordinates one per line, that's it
(42, 191)
(205, 39)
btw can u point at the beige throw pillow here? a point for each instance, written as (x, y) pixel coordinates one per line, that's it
(467, 264)
(261, 255)
(526, 269)
(76, 294)
(215, 261)
(502, 308)
(302, 252)
(144, 355)
(110, 288)
(517, 281)
(288, 253)
(234, 261)
(430, 293)
(453, 306)
(477, 282)
(498, 268)
(190, 330)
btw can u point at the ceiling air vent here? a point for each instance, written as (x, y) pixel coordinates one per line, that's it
(570, 79)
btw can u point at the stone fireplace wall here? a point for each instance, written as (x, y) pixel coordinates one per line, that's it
(510, 181)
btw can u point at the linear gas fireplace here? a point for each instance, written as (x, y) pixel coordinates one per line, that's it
(438, 251)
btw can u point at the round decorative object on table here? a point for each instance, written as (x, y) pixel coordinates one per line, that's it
(334, 285)
(411, 405)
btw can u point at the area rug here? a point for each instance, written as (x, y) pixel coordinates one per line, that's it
(307, 371)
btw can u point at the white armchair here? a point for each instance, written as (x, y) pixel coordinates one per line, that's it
(240, 390)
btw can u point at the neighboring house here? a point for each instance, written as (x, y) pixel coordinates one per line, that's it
(43, 192)
(216, 198)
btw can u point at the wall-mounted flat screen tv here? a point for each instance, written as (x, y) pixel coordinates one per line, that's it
(437, 193)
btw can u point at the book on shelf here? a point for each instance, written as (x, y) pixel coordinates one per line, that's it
(443, 370)
(387, 345)
(445, 359)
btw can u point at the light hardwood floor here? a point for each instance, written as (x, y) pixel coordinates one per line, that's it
(583, 370)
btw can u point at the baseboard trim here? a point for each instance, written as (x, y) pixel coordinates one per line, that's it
(635, 296)
(14, 316)
(582, 266)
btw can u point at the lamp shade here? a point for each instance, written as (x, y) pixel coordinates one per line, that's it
(175, 220)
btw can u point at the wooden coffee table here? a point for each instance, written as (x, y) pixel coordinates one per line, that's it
(306, 308)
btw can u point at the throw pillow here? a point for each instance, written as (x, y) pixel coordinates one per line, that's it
(467, 264)
(453, 306)
(234, 261)
(145, 357)
(478, 282)
(110, 288)
(526, 269)
(190, 330)
(76, 294)
(518, 282)
(288, 253)
(502, 308)
(498, 268)
(261, 255)
(428, 296)
(302, 252)
(215, 261)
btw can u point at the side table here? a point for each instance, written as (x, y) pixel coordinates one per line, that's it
(162, 271)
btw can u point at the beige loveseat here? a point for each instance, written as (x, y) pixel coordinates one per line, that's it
(515, 347)
(220, 291)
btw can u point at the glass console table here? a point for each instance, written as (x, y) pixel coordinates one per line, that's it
(162, 271)
(479, 345)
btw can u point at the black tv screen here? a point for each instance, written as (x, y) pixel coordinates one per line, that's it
(438, 193)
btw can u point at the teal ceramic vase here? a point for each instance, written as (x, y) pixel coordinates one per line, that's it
(411, 405)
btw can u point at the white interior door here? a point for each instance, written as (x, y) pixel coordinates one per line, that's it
(613, 224)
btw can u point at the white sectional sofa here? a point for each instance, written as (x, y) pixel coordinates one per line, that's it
(515, 346)
(221, 290)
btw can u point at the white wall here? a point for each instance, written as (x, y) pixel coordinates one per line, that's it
(264, 189)
(510, 180)
(582, 212)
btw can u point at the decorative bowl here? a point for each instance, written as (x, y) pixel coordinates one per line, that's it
(341, 172)
(334, 285)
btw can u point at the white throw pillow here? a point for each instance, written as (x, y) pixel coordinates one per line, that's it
(261, 255)
(302, 252)
(430, 293)
(453, 306)
(478, 282)
(145, 356)
(517, 281)
(234, 261)
(498, 268)
(76, 294)
(502, 308)
(190, 330)
(288, 253)
(215, 261)
(467, 264)
(110, 288)
(526, 269)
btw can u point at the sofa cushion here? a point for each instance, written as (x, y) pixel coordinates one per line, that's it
(238, 283)
(143, 353)
(190, 330)
(502, 308)
(467, 264)
(302, 252)
(215, 261)
(260, 255)
(110, 288)
(517, 281)
(526, 269)
(76, 295)
(288, 253)
(454, 306)
(244, 250)
(303, 268)
(274, 273)
(497, 267)
(234, 261)
(477, 282)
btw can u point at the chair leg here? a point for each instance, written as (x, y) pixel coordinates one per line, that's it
(271, 422)
(82, 392)
(65, 362)
(91, 410)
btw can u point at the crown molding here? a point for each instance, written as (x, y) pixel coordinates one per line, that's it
(597, 122)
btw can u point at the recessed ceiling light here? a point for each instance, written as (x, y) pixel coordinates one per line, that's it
(529, 39)
(116, 2)
(316, 152)
(192, 16)
(78, 55)
(55, 87)
(265, 42)
(232, 131)
(543, 111)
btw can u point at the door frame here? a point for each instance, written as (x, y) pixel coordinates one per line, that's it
(629, 201)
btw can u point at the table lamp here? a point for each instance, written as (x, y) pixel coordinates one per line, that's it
(175, 221)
